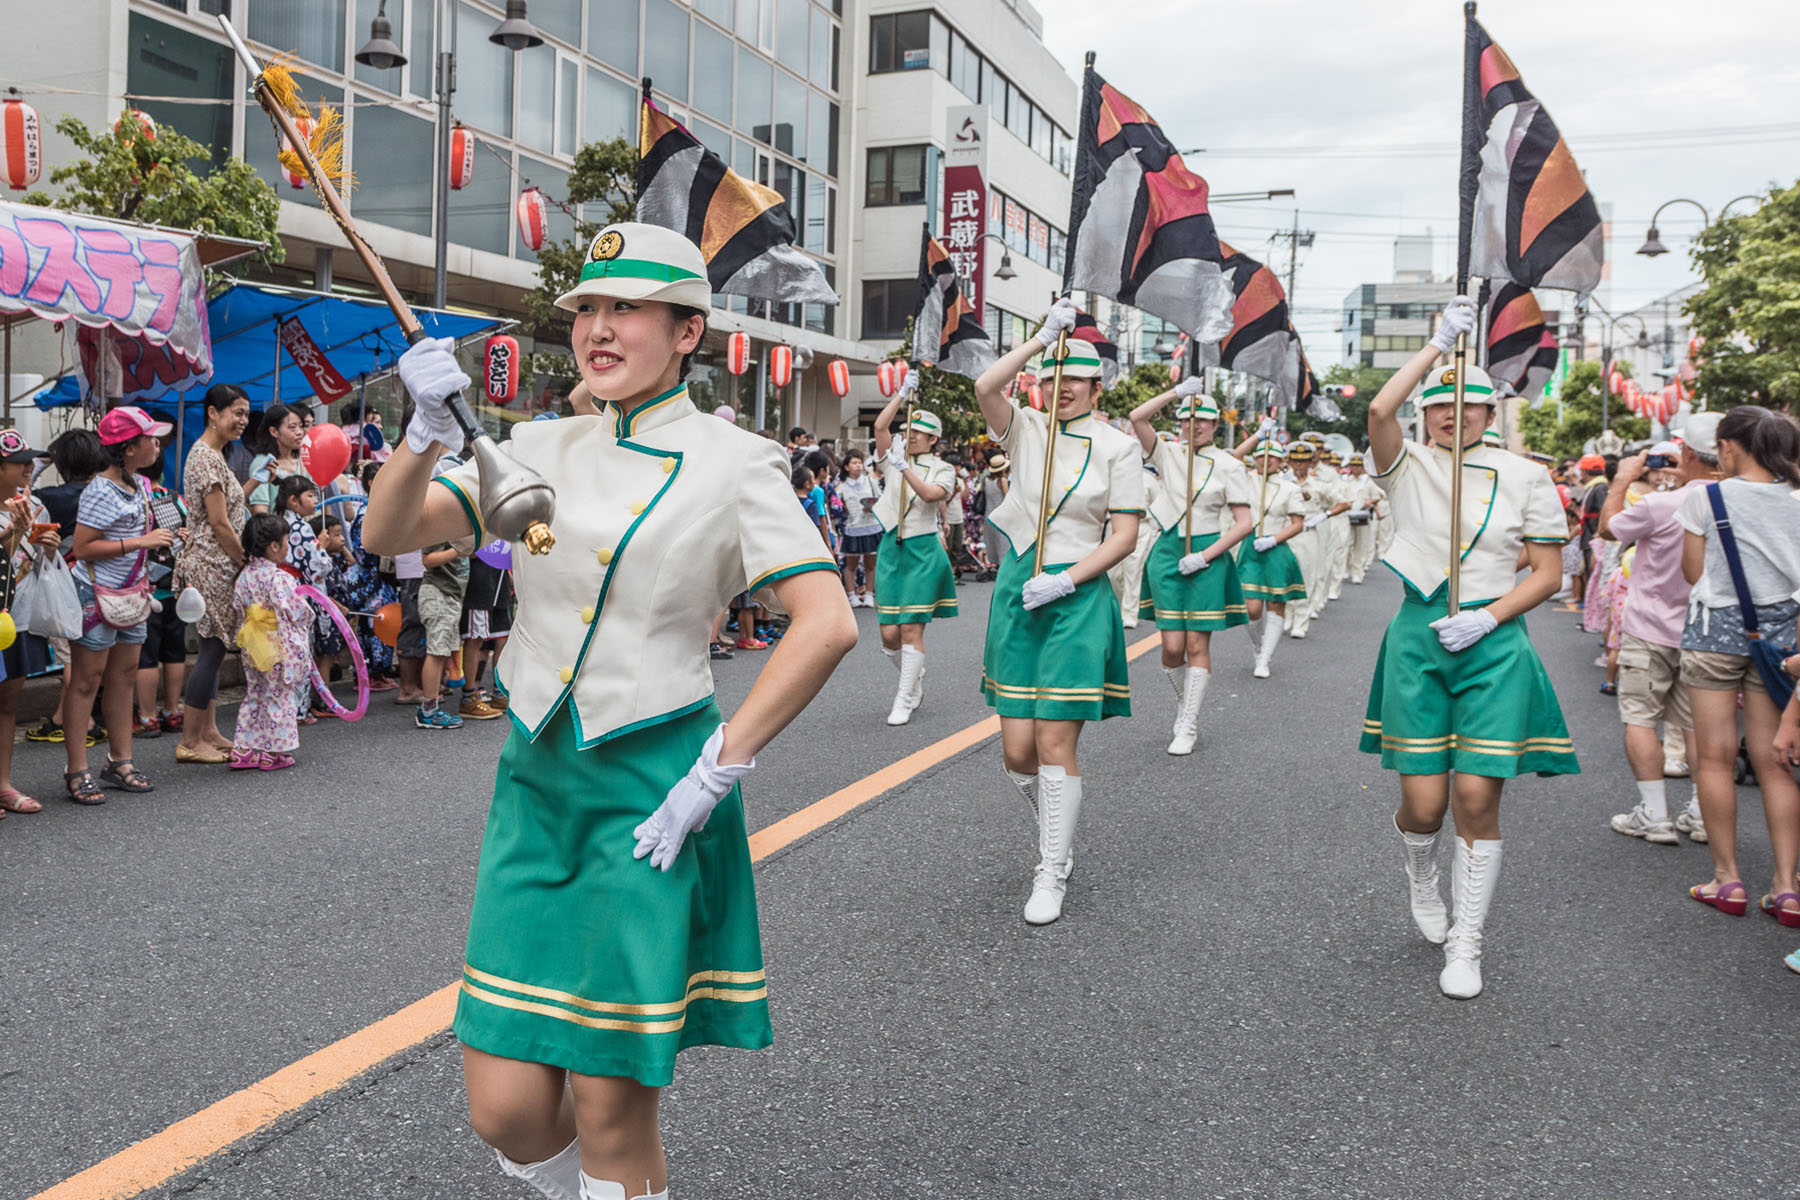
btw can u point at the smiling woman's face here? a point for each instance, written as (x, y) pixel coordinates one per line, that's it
(626, 348)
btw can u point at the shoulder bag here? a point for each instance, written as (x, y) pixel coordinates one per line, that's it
(1767, 657)
(129, 605)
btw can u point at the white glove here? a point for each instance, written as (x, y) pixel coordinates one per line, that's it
(1061, 319)
(1191, 564)
(688, 804)
(1040, 590)
(1464, 629)
(1190, 387)
(1459, 318)
(1263, 545)
(1312, 521)
(896, 455)
(1267, 428)
(431, 376)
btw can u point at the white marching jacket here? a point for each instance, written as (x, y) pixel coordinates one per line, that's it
(1220, 481)
(920, 517)
(662, 515)
(1098, 471)
(1506, 502)
(1277, 507)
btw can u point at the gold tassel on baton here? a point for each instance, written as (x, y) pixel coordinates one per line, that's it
(1044, 506)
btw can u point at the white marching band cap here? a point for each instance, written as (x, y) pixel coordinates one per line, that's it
(635, 261)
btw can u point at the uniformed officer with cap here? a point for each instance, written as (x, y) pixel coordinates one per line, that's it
(1269, 571)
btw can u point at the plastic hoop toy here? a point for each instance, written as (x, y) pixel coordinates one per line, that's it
(356, 656)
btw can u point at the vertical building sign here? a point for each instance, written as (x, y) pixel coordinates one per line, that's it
(966, 202)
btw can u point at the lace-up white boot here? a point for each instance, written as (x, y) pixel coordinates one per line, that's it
(559, 1178)
(1187, 719)
(1028, 788)
(1428, 910)
(1271, 638)
(606, 1189)
(906, 696)
(1059, 804)
(1474, 874)
(1177, 678)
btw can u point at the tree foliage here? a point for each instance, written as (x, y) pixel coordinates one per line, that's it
(605, 178)
(127, 175)
(1749, 311)
(1540, 429)
(1354, 424)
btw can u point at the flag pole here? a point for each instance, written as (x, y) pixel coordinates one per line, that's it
(1050, 402)
(1468, 182)
(1187, 518)
(905, 438)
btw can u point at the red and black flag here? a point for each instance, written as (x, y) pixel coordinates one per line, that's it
(1261, 337)
(1139, 229)
(1521, 349)
(947, 335)
(1088, 330)
(1527, 214)
(744, 230)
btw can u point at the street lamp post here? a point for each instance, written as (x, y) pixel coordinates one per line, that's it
(1609, 325)
(1653, 246)
(381, 53)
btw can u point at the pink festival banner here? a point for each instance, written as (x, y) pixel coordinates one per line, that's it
(144, 287)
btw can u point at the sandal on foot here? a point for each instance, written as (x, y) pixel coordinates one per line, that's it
(276, 761)
(1722, 899)
(123, 775)
(1770, 904)
(246, 760)
(82, 788)
(202, 754)
(13, 800)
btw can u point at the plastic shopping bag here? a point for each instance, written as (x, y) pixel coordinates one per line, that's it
(46, 603)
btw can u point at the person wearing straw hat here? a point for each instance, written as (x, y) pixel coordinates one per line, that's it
(614, 918)
(1202, 508)
(1268, 570)
(1461, 703)
(1055, 655)
(914, 582)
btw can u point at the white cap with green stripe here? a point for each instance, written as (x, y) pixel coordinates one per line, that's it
(1203, 410)
(1440, 387)
(927, 422)
(1083, 361)
(634, 261)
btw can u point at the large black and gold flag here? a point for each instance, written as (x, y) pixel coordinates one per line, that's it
(1521, 349)
(1139, 229)
(946, 334)
(1527, 213)
(744, 230)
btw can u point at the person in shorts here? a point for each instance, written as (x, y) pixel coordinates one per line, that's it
(440, 612)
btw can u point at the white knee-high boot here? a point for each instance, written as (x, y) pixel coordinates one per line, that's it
(1059, 805)
(1474, 874)
(1428, 910)
(559, 1178)
(906, 696)
(1271, 637)
(1028, 788)
(1177, 678)
(1187, 718)
(606, 1189)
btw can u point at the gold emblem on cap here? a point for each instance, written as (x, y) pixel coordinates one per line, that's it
(607, 246)
(1448, 377)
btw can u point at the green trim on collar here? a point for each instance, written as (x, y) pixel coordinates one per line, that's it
(1086, 459)
(634, 268)
(627, 422)
(468, 505)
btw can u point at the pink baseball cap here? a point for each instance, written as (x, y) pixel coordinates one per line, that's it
(126, 422)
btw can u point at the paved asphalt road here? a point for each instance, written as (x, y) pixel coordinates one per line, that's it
(1235, 1004)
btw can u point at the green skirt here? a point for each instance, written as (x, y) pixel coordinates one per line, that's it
(1062, 662)
(1205, 600)
(1489, 710)
(913, 580)
(1272, 575)
(583, 957)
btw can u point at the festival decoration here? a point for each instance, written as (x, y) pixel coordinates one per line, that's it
(323, 603)
(296, 179)
(534, 218)
(737, 353)
(497, 554)
(890, 376)
(324, 453)
(21, 143)
(462, 158)
(839, 375)
(386, 623)
(781, 366)
(500, 368)
(947, 334)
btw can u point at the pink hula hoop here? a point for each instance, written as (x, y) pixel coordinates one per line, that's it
(356, 655)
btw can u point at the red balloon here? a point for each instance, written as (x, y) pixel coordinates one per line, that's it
(325, 453)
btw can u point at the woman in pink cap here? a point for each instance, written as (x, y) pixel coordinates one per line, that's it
(113, 540)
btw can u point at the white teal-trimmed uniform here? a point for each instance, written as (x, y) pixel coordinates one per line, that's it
(1211, 598)
(914, 582)
(1271, 575)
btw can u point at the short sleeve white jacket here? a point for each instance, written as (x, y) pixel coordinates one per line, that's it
(1220, 481)
(920, 517)
(1506, 502)
(1280, 505)
(662, 515)
(1099, 471)
(1313, 495)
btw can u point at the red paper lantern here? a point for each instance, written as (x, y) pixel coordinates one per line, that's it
(891, 376)
(1348, 391)
(1036, 395)
(21, 148)
(304, 127)
(781, 366)
(500, 368)
(737, 353)
(1615, 382)
(534, 218)
(146, 125)
(839, 374)
(462, 159)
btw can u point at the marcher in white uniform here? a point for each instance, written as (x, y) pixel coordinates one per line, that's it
(1337, 524)
(1270, 573)
(1128, 577)
(1055, 654)
(1365, 498)
(1193, 578)
(914, 581)
(1315, 503)
(617, 752)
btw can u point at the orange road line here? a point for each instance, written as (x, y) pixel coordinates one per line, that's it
(185, 1144)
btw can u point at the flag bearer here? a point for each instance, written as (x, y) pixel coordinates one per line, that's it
(1055, 655)
(614, 919)
(1267, 567)
(1460, 704)
(1191, 577)
(1313, 502)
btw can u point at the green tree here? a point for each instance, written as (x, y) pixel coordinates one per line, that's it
(126, 175)
(605, 178)
(1540, 429)
(1749, 312)
(1354, 424)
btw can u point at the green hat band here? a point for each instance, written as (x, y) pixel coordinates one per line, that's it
(1203, 412)
(926, 422)
(1079, 355)
(1449, 389)
(634, 268)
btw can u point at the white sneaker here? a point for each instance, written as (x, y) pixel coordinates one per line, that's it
(1689, 822)
(1675, 768)
(1638, 823)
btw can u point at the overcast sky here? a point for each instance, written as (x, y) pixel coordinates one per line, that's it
(1653, 97)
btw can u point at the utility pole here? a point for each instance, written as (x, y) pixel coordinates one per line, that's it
(1298, 239)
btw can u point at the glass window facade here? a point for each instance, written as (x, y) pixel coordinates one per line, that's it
(260, 149)
(559, 19)
(666, 47)
(391, 155)
(612, 34)
(790, 115)
(896, 175)
(612, 108)
(713, 57)
(310, 29)
(484, 74)
(755, 94)
(537, 97)
(166, 61)
(792, 35)
(887, 305)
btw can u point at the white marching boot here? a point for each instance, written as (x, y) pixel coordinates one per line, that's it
(1187, 718)
(606, 1189)
(1028, 788)
(558, 1178)
(1059, 804)
(1428, 910)
(893, 657)
(1271, 638)
(1474, 874)
(906, 696)
(1177, 679)
(918, 692)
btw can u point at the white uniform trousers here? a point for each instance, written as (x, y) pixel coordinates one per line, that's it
(1127, 576)
(1309, 548)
